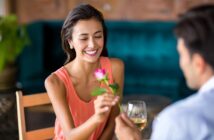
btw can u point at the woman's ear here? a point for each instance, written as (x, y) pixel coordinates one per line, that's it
(70, 43)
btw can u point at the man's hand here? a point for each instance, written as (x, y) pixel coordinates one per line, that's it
(126, 129)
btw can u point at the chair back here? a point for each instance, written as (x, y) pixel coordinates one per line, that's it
(27, 101)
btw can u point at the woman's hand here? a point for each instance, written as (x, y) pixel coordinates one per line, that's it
(103, 105)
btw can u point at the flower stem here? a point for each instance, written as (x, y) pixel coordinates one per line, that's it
(106, 82)
(121, 109)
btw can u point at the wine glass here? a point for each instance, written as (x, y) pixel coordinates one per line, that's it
(136, 111)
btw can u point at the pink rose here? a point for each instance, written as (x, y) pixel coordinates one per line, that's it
(100, 74)
(102, 77)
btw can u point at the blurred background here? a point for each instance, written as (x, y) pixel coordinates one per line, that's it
(140, 32)
(34, 10)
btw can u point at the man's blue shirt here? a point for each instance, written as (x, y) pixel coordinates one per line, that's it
(188, 119)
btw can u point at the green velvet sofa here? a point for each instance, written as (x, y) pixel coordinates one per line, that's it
(147, 48)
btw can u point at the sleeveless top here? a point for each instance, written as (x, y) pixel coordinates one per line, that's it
(80, 110)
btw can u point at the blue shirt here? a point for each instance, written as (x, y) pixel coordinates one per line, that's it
(188, 119)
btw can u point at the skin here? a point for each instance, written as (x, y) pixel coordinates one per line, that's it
(126, 129)
(186, 65)
(87, 40)
(196, 71)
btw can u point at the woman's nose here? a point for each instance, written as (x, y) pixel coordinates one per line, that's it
(91, 43)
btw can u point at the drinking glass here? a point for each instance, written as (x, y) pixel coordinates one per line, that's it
(136, 111)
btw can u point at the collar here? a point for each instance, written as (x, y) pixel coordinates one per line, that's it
(208, 85)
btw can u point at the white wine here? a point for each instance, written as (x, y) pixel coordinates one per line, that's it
(140, 122)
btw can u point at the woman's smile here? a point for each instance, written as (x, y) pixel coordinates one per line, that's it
(91, 52)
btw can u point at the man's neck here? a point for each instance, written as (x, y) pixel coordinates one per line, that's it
(209, 73)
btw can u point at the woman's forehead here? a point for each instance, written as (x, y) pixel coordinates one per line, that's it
(87, 26)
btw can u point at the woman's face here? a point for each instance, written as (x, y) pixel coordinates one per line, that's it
(88, 39)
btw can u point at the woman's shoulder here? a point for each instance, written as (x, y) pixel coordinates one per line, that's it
(117, 64)
(53, 82)
(52, 79)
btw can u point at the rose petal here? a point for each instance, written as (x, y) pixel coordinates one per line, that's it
(100, 74)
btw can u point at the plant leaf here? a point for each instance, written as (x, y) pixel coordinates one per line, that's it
(98, 91)
(114, 87)
(13, 39)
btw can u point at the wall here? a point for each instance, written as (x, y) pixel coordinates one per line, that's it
(4, 7)
(31, 10)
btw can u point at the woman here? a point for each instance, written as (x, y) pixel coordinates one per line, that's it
(78, 114)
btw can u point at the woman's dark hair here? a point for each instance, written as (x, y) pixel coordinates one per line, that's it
(196, 28)
(81, 12)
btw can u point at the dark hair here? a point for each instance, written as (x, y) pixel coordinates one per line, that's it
(196, 28)
(81, 12)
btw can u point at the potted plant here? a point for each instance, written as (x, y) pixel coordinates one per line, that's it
(13, 39)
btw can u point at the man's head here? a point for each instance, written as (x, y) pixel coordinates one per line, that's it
(195, 33)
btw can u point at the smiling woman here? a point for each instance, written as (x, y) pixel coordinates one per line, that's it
(79, 114)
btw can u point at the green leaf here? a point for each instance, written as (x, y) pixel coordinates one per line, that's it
(13, 39)
(2, 59)
(98, 91)
(114, 87)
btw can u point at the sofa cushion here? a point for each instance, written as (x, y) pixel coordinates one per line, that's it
(149, 52)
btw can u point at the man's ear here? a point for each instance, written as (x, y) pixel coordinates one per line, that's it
(199, 63)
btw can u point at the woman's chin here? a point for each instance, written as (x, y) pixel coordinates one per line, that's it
(91, 58)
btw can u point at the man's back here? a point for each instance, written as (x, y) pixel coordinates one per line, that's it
(189, 119)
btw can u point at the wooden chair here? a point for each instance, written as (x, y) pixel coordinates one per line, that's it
(27, 101)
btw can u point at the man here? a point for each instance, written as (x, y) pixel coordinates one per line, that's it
(193, 117)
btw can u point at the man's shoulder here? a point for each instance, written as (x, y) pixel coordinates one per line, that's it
(180, 109)
(184, 118)
(171, 122)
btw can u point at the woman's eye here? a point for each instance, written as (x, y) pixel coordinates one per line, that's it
(83, 39)
(98, 36)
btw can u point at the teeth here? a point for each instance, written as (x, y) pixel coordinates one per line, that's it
(91, 52)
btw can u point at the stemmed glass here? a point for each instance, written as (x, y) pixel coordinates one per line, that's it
(136, 111)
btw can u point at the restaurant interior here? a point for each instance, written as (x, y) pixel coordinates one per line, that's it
(139, 32)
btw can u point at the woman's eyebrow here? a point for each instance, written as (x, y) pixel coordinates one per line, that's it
(83, 34)
(98, 32)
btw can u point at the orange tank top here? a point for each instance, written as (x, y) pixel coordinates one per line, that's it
(80, 110)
